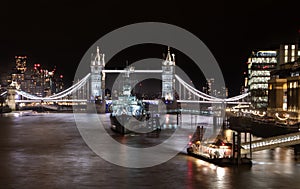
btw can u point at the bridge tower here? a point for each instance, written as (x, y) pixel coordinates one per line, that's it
(168, 77)
(97, 84)
(11, 97)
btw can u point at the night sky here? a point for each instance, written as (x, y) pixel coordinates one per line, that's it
(58, 34)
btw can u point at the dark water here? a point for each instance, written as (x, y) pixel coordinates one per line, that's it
(47, 151)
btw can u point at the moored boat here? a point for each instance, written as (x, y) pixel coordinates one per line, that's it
(219, 153)
(126, 113)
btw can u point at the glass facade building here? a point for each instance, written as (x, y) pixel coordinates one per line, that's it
(260, 63)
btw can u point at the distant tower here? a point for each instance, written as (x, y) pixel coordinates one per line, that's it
(97, 78)
(168, 78)
(21, 64)
(210, 87)
(18, 74)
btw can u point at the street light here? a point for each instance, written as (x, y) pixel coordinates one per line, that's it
(287, 118)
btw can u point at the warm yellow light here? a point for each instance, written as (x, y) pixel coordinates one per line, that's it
(284, 86)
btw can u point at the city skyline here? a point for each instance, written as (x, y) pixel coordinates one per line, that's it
(61, 36)
(81, 108)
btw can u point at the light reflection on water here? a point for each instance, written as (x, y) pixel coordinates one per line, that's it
(46, 151)
(191, 122)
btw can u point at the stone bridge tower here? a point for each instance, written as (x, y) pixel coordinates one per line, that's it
(168, 77)
(97, 84)
(11, 93)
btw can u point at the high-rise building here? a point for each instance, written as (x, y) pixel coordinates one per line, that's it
(288, 53)
(44, 82)
(283, 87)
(210, 87)
(18, 75)
(260, 63)
(21, 64)
(284, 92)
(36, 80)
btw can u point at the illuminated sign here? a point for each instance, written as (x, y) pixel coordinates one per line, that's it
(266, 53)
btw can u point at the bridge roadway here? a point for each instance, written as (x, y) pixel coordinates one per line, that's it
(54, 100)
(271, 143)
(148, 101)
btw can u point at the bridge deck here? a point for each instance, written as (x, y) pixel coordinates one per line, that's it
(272, 142)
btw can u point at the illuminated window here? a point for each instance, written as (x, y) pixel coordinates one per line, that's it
(284, 106)
(259, 73)
(291, 85)
(259, 86)
(285, 59)
(292, 59)
(293, 46)
(286, 46)
(284, 86)
(259, 60)
(293, 53)
(270, 87)
(295, 84)
(259, 80)
(286, 52)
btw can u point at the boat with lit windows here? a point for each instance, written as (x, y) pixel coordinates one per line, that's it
(219, 152)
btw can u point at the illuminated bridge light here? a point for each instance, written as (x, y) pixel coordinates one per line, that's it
(269, 143)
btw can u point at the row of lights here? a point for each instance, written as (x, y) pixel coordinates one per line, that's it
(257, 113)
(272, 141)
(286, 116)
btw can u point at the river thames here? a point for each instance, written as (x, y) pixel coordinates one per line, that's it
(47, 151)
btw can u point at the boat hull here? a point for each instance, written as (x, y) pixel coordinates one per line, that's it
(222, 162)
(117, 124)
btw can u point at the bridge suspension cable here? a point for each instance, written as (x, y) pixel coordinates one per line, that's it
(58, 95)
(206, 96)
(83, 80)
(192, 89)
(3, 93)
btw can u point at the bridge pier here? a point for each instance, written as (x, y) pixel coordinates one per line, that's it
(96, 107)
(11, 98)
(236, 148)
(250, 141)
(297, 151)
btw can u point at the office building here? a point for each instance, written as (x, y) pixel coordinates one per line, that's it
(283, 87)
(260, 63)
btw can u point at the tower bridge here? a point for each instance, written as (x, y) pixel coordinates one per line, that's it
(91, 88)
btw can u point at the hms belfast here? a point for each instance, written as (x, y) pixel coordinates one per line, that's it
(126, 111)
